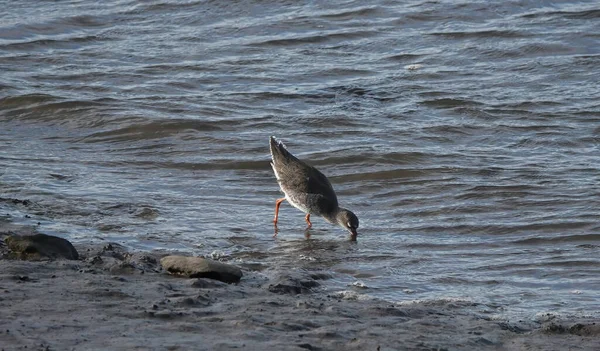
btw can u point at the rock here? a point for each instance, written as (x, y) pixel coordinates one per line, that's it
(115, 259)
(203, 283)
(198, 267)
(588, 329)
(41, 246)
(293, 285)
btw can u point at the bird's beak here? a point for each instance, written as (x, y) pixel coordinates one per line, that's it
(353, 232)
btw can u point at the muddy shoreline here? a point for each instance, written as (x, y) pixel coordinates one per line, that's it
(113, 299)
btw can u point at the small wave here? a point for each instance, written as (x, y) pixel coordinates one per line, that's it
(49, 109)
(379, 175)
(50, 44)
(539, 141)
(578, 15)
(315, 38)
(153, 130)
(52, 28)
(473, 228)
(24, 100)
(162, 6)
(565, 238)
(452, 302)
(445, 103)
(351, 295)
(268, 95)
(403, 57)
(353, 14)
(491, 33)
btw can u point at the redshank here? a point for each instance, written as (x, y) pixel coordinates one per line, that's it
(307, 189)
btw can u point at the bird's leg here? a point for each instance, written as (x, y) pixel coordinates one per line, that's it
(307, 218)
(307, 234)
(277, 204)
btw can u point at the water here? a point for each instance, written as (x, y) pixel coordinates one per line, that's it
(464, 135)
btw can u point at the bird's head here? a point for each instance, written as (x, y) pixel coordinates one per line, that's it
(348, 220)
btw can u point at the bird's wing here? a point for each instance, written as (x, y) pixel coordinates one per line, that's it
(293, 173)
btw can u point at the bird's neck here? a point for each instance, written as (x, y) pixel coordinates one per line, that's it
(334, 216)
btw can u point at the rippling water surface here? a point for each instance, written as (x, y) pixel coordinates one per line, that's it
(465, 135)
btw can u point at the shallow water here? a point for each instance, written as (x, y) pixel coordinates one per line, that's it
(464, 135)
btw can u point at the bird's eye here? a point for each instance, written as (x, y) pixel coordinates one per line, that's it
(349, 225)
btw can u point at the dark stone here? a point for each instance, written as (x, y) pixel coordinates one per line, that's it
(320, 276)
(40, 246)
(579, 329)
(554, 328)
(203, 283)
(198, 267)
(512, 328)
(22, 278)
(309, 347)
(115, 259)
(293, 285)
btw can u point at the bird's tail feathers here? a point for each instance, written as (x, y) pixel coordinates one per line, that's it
(278, 151)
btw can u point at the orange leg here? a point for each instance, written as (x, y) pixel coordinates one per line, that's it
(277, 204)
(307, 234)
(307, 218)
